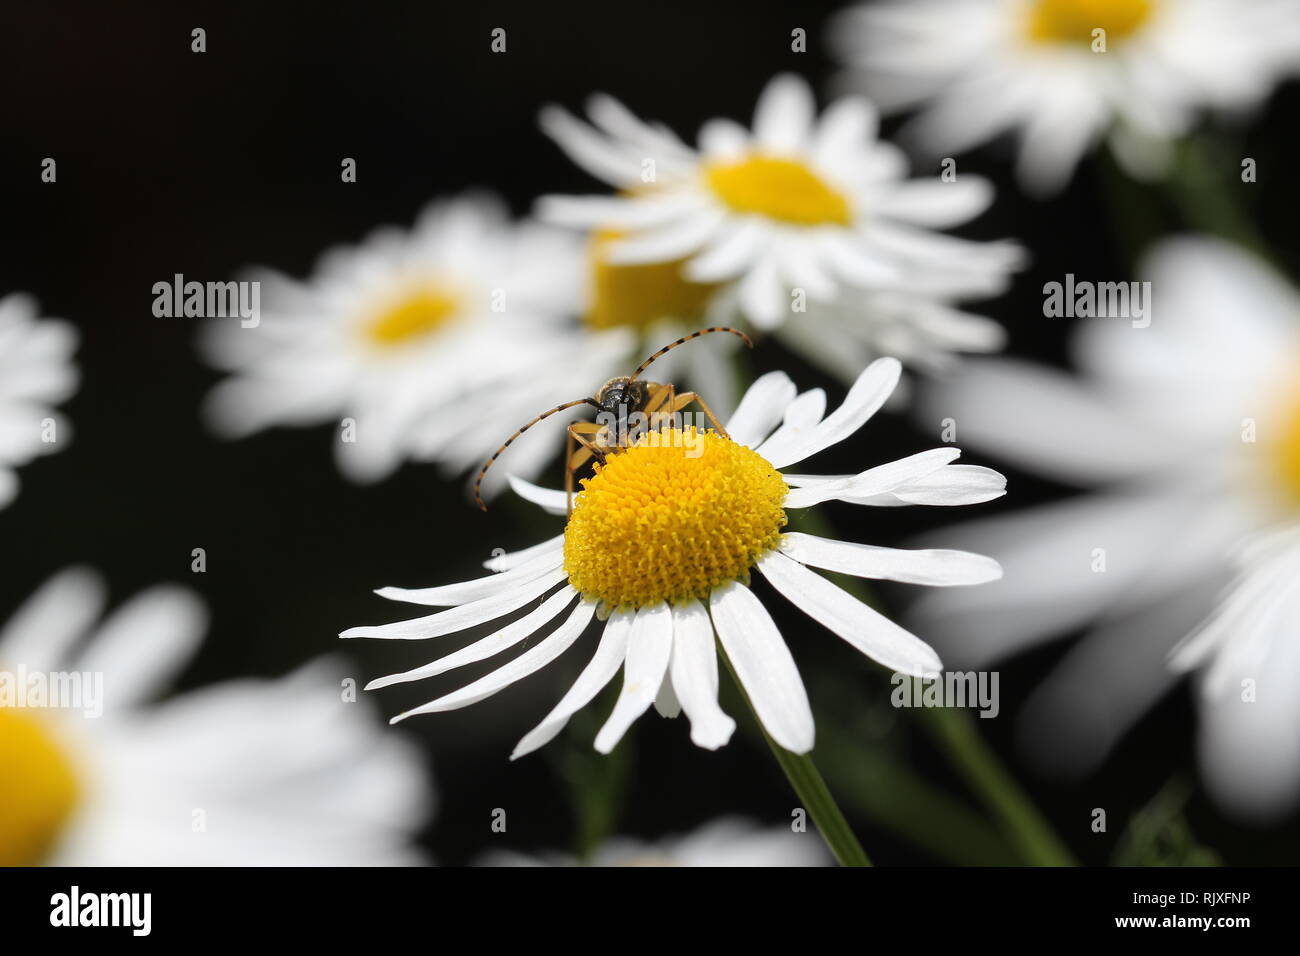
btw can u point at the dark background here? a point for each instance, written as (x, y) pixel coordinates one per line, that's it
(171, 161)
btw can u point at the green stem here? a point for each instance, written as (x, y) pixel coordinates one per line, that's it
(954, 732)
(970, 754)
(812, 791)
(1205, 184)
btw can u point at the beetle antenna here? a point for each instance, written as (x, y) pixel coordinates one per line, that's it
(478, 482)
(683, 340)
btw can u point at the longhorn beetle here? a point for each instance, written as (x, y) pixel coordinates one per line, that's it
(618, 399)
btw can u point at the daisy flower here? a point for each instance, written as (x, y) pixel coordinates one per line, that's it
(730, 842)
(250, 772)
(1186, 435)
(431, 343)
(36, 372)
(799, 212)
(660, 549)
(1065, 74)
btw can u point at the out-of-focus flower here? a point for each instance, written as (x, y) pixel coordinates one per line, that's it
(36, 372)
(434, 342)
(1187, 433)
(660, 546)
(802, 216)
(249, 772)
(1066, 73)
(728, 842)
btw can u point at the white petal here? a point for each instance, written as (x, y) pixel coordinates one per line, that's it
(529, 662)
(873, 481)
(949, 486)
(145, 643)
(935, 567)
(784, 115)
(694, 672)
(462, 617)
(674, 240)
(937, 204)
(548, 559)
(482, 649)
(764, 665)
(761, 408)
(548, 499)
(649, 648)
(604, 664)
(866, 629)
(594, 152)
(801, 417)
(874, 385)
(504, 562)
(42, 632)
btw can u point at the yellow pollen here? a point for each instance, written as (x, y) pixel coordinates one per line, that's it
(671, 518)
(1072, 21)
(639, 295)
(782, 189)
(38, 789)
(413, 317)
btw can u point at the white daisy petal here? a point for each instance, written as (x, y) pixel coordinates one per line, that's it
(784, 114)
(675, 240)
(694, 672)
(873, 481)
(506, 562)
(866, 629)
(462, 617)
(764, 666)
(868, 394)
(482, 649)
(649, 649)
(589, 149)
(529, 662)
(549, 500)
(145, 643)
(761, 409)
(801, 417)
(42, 633)
(604, 664)
(550, 557)
(934, 567)
(936, 203)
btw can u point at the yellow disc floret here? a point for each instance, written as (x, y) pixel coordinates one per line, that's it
(38, 789)
(1286, 453)
(778, 188)
(412, 317)
(641, 294)
(1073, 21)
(671, 518)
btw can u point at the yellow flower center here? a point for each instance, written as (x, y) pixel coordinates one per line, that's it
(1072, 21)
(38, 789)
(413, 317)
(671, 518)
(639, 295)
(1286, 453)
(782, 189)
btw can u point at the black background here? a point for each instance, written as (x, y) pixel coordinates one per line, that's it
(171, 161)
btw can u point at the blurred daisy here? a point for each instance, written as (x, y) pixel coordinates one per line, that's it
(1066, 73)
(433, 342)
(250, 772)
(1187, 434)
(798, 213)
(36, 372)
(730, 842)
(660, 547)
